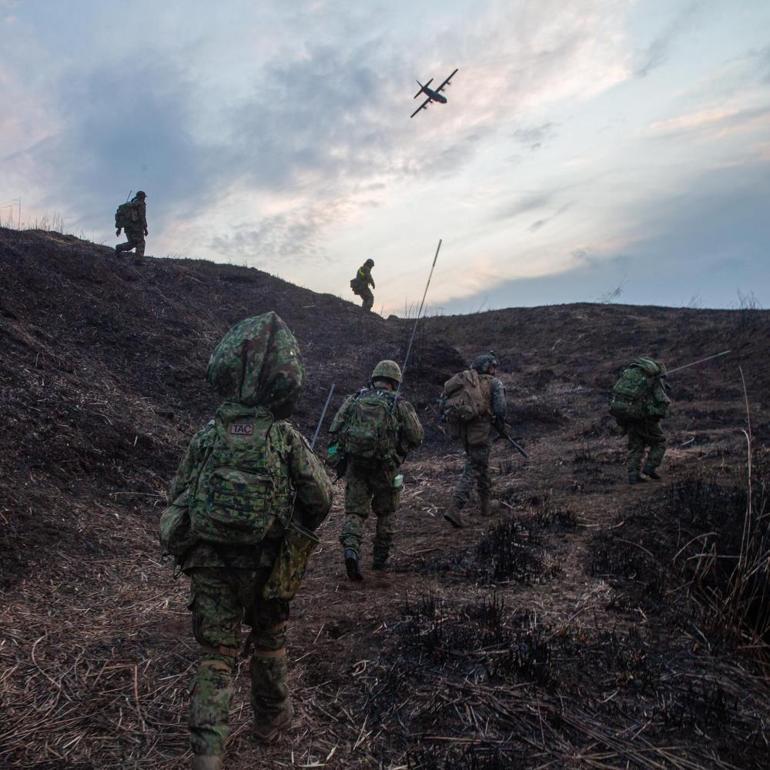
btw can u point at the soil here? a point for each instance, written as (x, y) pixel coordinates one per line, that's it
(585, 624)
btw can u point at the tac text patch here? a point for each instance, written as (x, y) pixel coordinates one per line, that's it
(241, 429)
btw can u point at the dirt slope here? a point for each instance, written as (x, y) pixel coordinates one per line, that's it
(535, 639)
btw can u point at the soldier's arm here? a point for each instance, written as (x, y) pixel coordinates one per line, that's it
(412, 433)
(339, 418)
(185, 472)
(499, 405)
(311, 484)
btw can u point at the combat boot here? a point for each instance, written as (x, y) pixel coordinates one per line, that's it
(652, 473)
(452, 515)
(206, 762)
(267, 731)
(351, 565)
(634, 477)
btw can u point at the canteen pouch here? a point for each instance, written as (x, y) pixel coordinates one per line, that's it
(290, 564)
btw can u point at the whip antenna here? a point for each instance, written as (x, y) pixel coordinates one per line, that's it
(417, 320)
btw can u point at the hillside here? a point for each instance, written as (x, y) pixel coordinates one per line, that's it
(586, 625)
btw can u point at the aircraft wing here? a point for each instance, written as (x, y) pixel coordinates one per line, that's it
(423, 106)
(446, 82)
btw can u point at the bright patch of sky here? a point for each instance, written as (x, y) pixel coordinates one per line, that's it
(591, 149)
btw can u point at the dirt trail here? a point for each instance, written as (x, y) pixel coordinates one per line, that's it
(565, 631)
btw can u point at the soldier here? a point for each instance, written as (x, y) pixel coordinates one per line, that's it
(473, 401)
(361, 283)
(132, 217)
(639, 402)
(374, 430)
(248, 483)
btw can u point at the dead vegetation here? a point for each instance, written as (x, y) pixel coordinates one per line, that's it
(585, 625)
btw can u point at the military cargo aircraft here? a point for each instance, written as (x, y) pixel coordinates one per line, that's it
(433, 96)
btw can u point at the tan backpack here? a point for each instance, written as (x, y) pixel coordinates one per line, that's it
(464, 400)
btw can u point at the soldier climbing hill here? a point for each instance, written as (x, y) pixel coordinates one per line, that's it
(373, 432)
(361, 283)
(639, 402)
(132, 217)
(473, 400)
(247, 489)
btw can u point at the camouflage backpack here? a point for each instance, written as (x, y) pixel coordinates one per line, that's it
(638, 393)
(370, 430)
(124, 215)
(464, 399)
(243, 490)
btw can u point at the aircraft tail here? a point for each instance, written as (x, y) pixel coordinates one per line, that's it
(422, 88)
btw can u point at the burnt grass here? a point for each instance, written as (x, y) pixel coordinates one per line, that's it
(476, 684)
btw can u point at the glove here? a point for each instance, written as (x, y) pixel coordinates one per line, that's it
(117, 232)
(146, 231)
(332, 452)
(373, 286)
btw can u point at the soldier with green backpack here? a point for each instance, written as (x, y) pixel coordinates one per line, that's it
(639, 402)
(132, 217)
(245, 501)
(373, 432)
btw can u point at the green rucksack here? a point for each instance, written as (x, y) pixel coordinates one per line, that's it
(124, 215)
(243, 490)
(638, 393)
(370, 430)
(464, 398)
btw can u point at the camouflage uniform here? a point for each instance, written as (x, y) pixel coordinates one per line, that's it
(643, 434)
(364, 280)
(369, 483)
(476, 439)
(650, 407)
(136, 231)
(257, 370)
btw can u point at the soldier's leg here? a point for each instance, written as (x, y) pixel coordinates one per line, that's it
(139, 253)
(217, 617)
(636, 445)
(385, 505)
(655, 439)
(368, 299)
(126, 246)
(467, 480)
(270, 698)
(358, 496)
(479, 459)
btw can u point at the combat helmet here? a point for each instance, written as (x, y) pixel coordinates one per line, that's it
(387, 370)
(140, 194)
(369, 263)
(483, 363)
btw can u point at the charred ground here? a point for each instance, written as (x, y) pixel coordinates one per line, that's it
(586, 625)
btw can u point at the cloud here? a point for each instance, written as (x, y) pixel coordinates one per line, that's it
(657, 52)
(710, 243)
(534, 137)
(718, 120)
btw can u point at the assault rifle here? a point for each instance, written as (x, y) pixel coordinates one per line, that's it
(520, 449)
(695, 363)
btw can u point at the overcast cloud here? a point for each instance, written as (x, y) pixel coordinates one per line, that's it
(633, 135)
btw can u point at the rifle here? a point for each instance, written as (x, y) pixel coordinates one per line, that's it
(695, 363)
(323, 414)
(517, 447)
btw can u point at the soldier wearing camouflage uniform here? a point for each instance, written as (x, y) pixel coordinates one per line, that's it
(639, 402)
(361, 283)
(477, 442)
(136, 229)
(247, 478)
(373, 481)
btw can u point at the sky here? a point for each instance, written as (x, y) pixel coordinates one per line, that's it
(590, 150)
